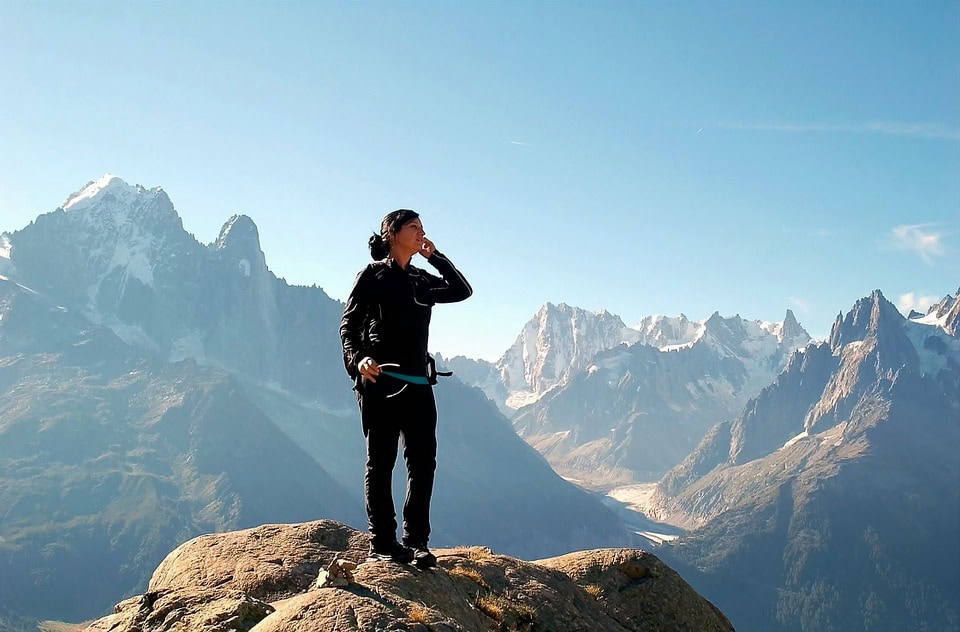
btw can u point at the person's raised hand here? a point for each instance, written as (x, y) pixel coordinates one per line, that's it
(427, 248)
(369, 368)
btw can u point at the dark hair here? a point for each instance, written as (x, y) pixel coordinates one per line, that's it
(391, 224)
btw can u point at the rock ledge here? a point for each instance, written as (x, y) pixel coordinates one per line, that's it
(263, 580)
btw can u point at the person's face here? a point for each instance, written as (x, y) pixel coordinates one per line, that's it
(410, 236)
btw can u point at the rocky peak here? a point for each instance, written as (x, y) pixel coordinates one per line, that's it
(109, 186)
(239, 239)
(728, 335)
(557, 341)
(111, 203)
(872, 343)
(238, 232)
(665, 331)
(264, 580)
(868, 316)
(105, 247)
(946, 304)
(946, 314)
(725, 327)
(791, 330)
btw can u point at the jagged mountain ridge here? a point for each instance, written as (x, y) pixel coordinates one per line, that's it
(638, 410)
(119, 254)
(560, 341)
(836, 490)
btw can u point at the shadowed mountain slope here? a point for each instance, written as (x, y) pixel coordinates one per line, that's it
(833, 502)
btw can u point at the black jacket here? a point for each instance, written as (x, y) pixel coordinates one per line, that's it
(387, 315)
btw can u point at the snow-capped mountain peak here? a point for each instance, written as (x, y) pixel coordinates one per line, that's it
(789, 332)
(669, 332)
(90, 191)
(105, 248)
(560, 341)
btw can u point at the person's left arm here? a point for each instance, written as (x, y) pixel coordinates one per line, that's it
(451, 286)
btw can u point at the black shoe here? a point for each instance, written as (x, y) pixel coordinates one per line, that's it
(423, 558)
(390, 552)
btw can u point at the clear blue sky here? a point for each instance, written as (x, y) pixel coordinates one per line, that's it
(642, 157)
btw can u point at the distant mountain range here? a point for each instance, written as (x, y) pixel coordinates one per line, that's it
(153, 388)
(609, 404)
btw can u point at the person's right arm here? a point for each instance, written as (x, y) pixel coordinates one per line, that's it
(354, 321)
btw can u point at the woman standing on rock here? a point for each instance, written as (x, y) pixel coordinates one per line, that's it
(384, 331)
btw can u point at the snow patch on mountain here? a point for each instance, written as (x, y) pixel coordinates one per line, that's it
(6, 265)
(134, 257)
(790, 442)
(945, 315)
(936, 348)
(932, 319)
(133, 335)
(107, 184)
(189, 346)
(522, 398)
(20, 285)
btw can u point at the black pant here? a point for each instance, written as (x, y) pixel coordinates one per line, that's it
(409, 414)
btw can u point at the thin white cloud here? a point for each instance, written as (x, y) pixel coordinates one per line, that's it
(918, 238)
(799, 303)
(518, 142)
(930, 131)
(911, 301)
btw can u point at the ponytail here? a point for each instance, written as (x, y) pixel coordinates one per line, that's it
(393, 222)
(379, 248)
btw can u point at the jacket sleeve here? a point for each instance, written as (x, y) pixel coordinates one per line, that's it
(354, 322)
(452, 287)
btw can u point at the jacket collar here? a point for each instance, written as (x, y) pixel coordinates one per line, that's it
(411, 269)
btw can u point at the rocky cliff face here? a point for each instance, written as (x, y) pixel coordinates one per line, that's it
(558, 341)
(263, 579)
